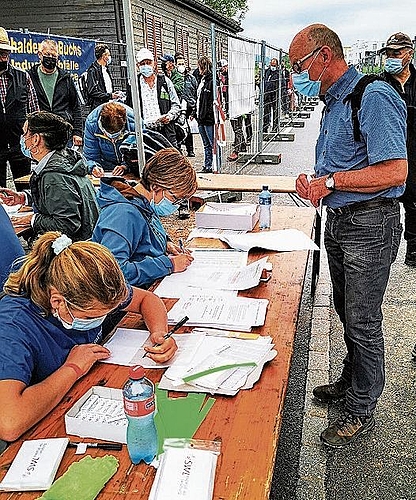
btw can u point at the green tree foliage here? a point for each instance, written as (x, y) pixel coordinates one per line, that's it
(228, 8)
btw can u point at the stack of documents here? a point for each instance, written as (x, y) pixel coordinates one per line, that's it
(213, 309)
(220, 365)
(283, 240)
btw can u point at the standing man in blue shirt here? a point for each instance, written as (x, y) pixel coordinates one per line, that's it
(359, 182)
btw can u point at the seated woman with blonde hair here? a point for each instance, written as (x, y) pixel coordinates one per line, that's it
(50, 325)
(129, 223)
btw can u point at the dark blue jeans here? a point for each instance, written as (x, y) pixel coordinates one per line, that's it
(361, 247)
(207, 137)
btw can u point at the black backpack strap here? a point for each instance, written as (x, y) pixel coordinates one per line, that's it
(355, 98)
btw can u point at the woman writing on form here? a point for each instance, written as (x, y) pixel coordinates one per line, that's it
(50, 325)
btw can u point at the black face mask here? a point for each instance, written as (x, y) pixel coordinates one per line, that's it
(49, 62)
(3, 65)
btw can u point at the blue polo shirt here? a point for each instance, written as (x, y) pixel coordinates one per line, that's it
(382, 118)
(34, 345)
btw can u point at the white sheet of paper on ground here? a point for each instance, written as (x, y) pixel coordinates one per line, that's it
(126, 347)
(197, 274)
(284, 240)
(210, 309)
(202, 232)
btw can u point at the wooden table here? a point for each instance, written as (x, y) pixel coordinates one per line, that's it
(246, 183)
(247, 424)
(218, 182)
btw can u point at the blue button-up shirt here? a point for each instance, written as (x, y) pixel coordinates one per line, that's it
(382, 118)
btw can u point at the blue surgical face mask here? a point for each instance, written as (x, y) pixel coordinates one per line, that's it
(109, 60)
(393, 65)
(25, 150)
(164, 208)
(146, 70)
(80, 323)
(114, 136)
(305, 85)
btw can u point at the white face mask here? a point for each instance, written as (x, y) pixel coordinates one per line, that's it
(181, 68)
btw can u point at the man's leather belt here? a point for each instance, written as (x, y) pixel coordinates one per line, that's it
(363, 205)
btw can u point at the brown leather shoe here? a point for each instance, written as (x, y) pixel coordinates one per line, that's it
(331, 392)
(346, 429)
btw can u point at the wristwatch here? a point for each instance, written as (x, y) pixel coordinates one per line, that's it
(330, 182)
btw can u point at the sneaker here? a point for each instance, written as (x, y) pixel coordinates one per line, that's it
(414, 353)
(233, 156)
(206, 170)
(346, 429)
(191, 154)
(331, 392)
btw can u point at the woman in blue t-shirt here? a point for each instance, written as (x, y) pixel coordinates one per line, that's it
(50, 325)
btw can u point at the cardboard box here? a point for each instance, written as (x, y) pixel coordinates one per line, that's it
(239, 216)
(101, 417)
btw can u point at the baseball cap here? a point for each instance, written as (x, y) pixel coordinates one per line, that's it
(4, 40)
(397, 41)
(143, 54)
(167, 58)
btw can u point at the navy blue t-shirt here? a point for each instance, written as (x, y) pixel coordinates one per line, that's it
(11, 248)
(35, 345)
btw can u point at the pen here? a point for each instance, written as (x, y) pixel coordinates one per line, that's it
(102, 446)
(181, 245)
(171, 331)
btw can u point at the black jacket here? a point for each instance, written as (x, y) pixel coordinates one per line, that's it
(65, 101)
(205, 111)
(409, 96)
(13, 113)
(97, 93)
(63, 197)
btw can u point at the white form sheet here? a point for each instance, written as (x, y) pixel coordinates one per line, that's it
(284, 240)
(178, 284)
(203, 232)
(126, 347)
(210, 309)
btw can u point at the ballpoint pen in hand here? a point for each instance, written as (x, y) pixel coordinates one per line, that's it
(171, 331)
(181, 245)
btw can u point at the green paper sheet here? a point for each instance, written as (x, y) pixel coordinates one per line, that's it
(180, 417)
(83, 480)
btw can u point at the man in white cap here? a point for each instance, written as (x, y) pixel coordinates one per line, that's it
(17, 99)
(159, 102)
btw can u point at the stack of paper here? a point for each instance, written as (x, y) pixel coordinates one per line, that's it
(214, 268)
(221, 365)
(210, 309)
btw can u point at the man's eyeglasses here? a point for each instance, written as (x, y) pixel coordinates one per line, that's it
(297, 65)
(177, 201)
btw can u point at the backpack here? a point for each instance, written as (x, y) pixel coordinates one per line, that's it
(82, 89)
(356, 96)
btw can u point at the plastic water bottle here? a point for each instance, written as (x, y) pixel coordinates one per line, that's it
(265, 202)
(139, 407)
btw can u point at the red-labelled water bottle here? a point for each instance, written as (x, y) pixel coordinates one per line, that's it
(139, 407)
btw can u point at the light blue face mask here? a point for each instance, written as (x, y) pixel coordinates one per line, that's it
(80, 323)
(164, 208)
(146, 70)
(305, 85)
(393, 65)
(26, 151)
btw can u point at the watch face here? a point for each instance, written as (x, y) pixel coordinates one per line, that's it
(330, 183)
